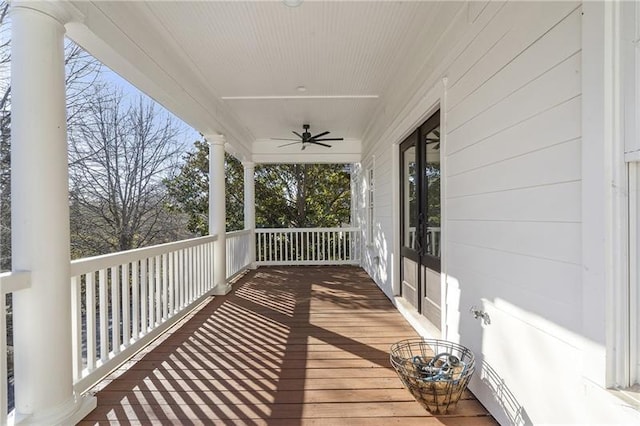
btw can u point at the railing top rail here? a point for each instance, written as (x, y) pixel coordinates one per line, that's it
(239, 233)
(90, 264)
(336, 229)
(14, 280)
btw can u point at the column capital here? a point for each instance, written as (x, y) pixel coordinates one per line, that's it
(63, 12)
(248, 164)
(215, 139)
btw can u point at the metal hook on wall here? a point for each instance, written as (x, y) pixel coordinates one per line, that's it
(478, 313)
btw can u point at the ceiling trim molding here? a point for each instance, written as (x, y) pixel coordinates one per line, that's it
(284, 97)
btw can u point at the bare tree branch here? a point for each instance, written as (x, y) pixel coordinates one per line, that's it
(120, 155)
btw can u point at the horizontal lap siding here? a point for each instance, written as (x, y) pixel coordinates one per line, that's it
(432, 48)
(514, 148)
(513, 200)
(513, 194)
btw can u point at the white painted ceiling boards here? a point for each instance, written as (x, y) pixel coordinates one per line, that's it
(234, 67)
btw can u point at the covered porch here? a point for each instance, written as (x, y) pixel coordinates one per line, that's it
(306, 345)
(509, 224)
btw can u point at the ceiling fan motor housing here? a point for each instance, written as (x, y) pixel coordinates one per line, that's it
(318, 139)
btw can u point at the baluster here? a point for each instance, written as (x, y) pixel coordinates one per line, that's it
(334, 243)
(4, 400)
(345, 246)
(199, 264)
(76, 330)
(158, 290)
(104, 320)
(259, 248)
(208, 265)
(181, 280)
(195, 264)
(152, 293)
(326, 246)
(165, 286)
(314, 246)
(144, 297)
(135, 291)
(229, 257)
(126, 306)
(172, 283)
(115, 309)
(90, 303)
(192, 275)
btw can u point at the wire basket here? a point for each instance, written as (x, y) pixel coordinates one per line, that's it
(436, 372)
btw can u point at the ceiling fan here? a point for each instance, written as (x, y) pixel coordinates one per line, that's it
(306, 138)
(434, 140)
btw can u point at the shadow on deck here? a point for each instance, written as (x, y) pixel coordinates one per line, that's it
(288, 346)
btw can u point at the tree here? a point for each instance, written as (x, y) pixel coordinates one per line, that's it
(189, 190)
(302, 195)
(119, 155)
(287, 195)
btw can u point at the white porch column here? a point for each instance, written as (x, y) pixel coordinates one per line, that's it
(40, 223)
(250, 207)
(217, 212)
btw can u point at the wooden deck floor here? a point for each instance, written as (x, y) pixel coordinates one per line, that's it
(289, 346)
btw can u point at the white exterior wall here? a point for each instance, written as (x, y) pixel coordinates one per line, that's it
(513, 199)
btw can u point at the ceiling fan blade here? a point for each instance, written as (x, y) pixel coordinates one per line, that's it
(285, 139)
(287, 144)
(328, 139)
(320, 135)
(297, 134)
(320, 143)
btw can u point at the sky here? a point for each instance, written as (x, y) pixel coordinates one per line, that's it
(189, 134)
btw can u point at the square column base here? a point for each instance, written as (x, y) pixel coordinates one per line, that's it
(221, 290)
(70, 414)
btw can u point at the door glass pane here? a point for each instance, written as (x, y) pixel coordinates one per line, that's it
(410, 209)
(432, 180)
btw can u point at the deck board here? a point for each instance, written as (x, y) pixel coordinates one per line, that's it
(288, 346)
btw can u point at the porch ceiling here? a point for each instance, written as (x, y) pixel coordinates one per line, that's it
(233, 67)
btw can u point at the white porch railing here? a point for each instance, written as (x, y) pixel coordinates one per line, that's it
(307, 246)
(433, 240)
(122, 301)
(238, 251)
(10, 282)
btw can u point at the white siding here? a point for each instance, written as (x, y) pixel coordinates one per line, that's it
(513, 156)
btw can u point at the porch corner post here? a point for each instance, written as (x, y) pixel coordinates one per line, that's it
(250, 208)
(44, 392)
(217, 213)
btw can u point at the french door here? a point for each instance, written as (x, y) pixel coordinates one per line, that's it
(420, 219)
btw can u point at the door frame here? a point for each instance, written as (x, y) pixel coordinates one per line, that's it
(427, 99)
(418, 255)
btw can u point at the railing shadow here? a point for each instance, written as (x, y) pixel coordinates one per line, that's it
(243, 357)
(512, 411)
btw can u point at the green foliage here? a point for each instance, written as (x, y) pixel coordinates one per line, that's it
(302, 195)
(189, 190)
(433, 194)
(287, 195)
